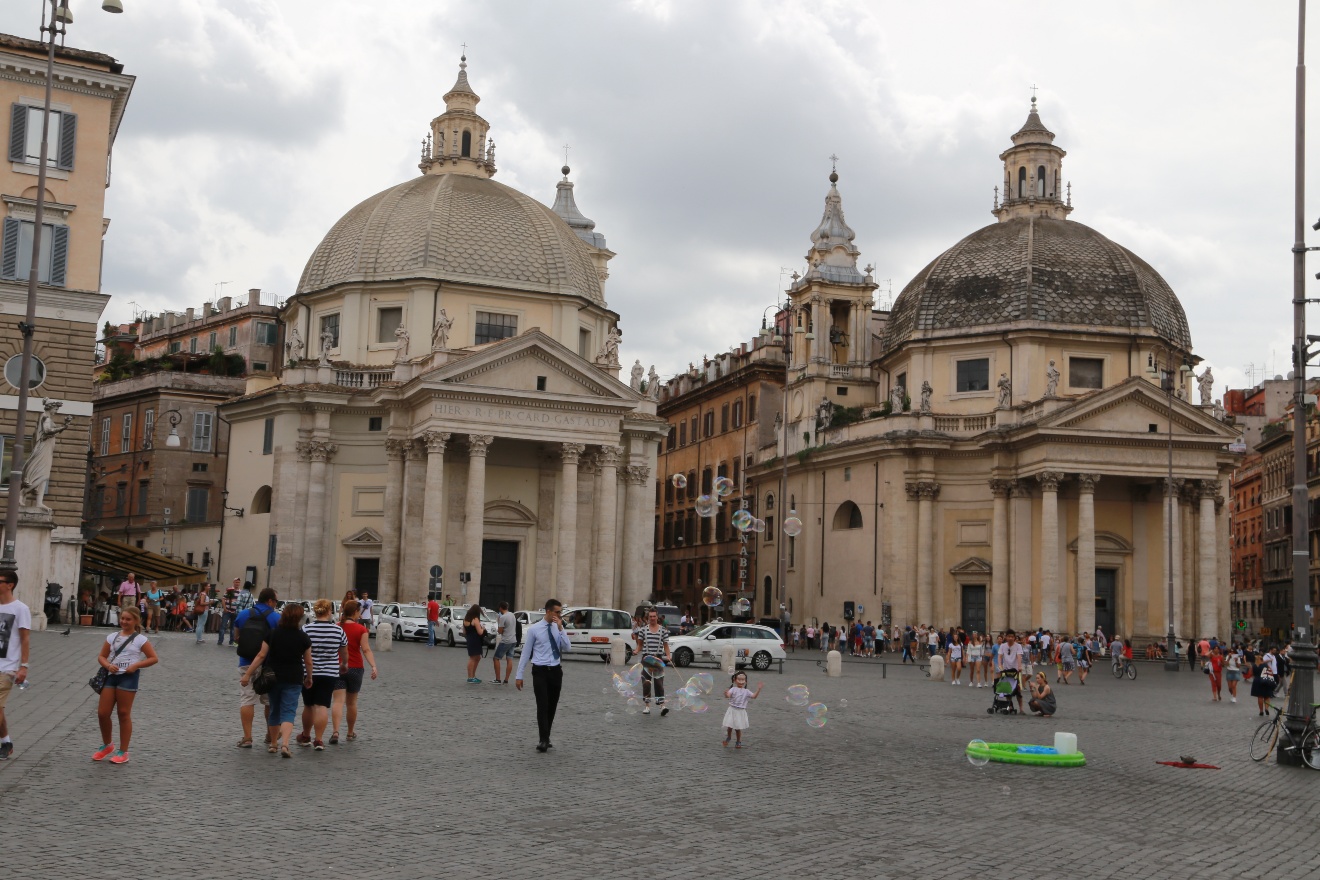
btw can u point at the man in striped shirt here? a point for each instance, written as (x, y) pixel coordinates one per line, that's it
(653, 641)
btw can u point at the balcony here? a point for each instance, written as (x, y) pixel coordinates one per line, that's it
(370, 378)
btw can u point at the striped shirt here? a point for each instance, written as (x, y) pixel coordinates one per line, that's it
(327, 638)
(653, 643)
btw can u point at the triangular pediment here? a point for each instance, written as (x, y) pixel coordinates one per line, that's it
(1131, 407)
(515, 364)
(363, 536)
(971, 565)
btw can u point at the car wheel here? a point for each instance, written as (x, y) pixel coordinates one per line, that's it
(398, 634)
(761, 661)
(450, 639)
(627, 653)
(683, 657)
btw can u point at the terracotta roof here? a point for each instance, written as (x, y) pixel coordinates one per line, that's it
(9, 41)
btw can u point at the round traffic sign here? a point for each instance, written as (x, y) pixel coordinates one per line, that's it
(436, 571)
(1241, 624)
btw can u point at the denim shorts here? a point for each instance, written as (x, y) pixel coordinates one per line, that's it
(284, 703)
(505, 650)
(124, 681)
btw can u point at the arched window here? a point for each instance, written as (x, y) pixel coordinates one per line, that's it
(1040, 182)
(1022, 182)
(770, 501)
(848, 516)
(261, 501)
(467, 143)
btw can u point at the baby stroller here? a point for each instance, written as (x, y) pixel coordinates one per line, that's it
(1005, 691)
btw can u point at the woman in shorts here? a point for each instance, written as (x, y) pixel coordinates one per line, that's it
(124, 655)
(288, 651)
(1232, 673)
(329, 657)
(475, 636)
(350, 681)
(153, 596)
(975, 662)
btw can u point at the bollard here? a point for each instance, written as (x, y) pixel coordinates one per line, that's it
(618, 652)
(384, 638)
(937, 668)
(727, 661)
(834, 664)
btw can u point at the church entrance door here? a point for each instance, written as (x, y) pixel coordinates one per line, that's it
(499, 573)
(1106, 580)
(973, 608)
(366, 575)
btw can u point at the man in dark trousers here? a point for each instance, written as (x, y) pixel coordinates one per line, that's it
(544, 645)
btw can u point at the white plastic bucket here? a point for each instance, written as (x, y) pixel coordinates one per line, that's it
(1065, 743)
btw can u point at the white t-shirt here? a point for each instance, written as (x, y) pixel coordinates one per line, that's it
(131, 654)
(13, 617)
(366, 608)
(1010, 656)
(1270, 662)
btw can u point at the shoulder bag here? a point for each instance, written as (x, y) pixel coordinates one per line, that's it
(97, 682)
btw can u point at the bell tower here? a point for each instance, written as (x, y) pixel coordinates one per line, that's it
(458, 141)
(1033, 174)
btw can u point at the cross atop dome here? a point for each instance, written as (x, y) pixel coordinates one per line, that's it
(458, 142)
(1033, 173)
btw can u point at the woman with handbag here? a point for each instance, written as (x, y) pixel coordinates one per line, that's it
(201, 610)
(1263, 673)
(288, 652)
(123, 655)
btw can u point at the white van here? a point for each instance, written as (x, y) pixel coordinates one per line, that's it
(591, 630)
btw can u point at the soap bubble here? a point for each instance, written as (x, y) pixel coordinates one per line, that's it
(704, 680)
(798, 695)
(697, 706)
(816, 715)
(707, 505)
(633, 706)
(683, 697)
(654, 666)
(978, 753)
(843, 704)
(792, 527)
(609, 716)
(679, 481)
(1005, 791)
(723, 487)
(741, 608)
(633, 676)
(758, 526)
(712, 597)
(742, 520)
(605, 690)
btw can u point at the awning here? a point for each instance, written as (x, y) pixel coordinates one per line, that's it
(103, 556)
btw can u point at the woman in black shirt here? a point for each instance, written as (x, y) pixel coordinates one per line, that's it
(288, 651)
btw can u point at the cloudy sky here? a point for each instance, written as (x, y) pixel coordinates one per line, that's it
(700, 134)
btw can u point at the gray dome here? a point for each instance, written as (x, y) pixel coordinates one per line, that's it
(1036, 270)
(454, 227)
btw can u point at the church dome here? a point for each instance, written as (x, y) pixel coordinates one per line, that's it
(459, 228)
(1036, 270)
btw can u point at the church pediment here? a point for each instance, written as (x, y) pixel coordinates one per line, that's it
(1131, 407)
(516, 364)
(363, 536)
(973, 565)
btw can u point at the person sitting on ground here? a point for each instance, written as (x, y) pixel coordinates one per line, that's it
(1042, 700)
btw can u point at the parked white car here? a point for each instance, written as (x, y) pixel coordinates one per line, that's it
(406, 621)
(758, 645)
(526, 619)
(591, 630)
(450, 627)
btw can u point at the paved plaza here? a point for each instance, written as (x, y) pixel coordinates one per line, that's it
(444, 780)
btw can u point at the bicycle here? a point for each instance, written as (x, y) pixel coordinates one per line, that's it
(1122, 666)
(1266, 737)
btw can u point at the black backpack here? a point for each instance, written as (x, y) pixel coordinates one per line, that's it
(252, 634)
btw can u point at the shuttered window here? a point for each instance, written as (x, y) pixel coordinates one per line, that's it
(16, 252)
(201, 440)
(25, 137)
(198, 500)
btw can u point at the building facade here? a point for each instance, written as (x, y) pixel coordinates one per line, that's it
(1012, 469)
(1246, 525)
(450, 401)
(90, 95)
(719, 417)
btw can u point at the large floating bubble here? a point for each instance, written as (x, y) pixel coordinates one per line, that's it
(654, 666)
(817, 715)
(978, 753)
(743, 520)
(723, 487)
(704, 680)
(633, 706)
(792, 526)
(741, 608)
(758, 526)
(707, 505)
(798, 695)
(679, 481)
(712, 597)
(696, 705)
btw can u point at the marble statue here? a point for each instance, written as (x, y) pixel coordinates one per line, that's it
(1051, 380)
(293, 347)
(1218, 410)
(36, 469)
(653, 384)
(926, 392)
(1206, 384)
(402, 341)
(824, 413)
(440, 332)
(609, 352)
(637, 372)
(1005, 391)
(327, 343)
(896, 396)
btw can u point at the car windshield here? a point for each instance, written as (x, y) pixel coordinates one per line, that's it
(412, 611)
(703, 631)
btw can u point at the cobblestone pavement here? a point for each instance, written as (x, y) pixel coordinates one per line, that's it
(444, 778)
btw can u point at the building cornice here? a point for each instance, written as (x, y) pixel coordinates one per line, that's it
(31, 70)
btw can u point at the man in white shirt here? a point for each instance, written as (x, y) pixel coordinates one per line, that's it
(1010, 657)
(15, 625)
(505, 643)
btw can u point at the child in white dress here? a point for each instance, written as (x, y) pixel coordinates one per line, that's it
(735, 717)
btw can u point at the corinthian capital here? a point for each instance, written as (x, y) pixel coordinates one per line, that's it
(1087, 481)
(1002, 488)
(1049, 480)
(571, 452)
(304, 448)
(478, 444)
(320, 450)
(435, 442)
(608, 456)
(636, 474)
(396, 449)
(928, 489)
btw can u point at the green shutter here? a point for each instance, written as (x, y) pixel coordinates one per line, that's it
(68, 137)
(18, 115)
(9, 250)
(59, 255)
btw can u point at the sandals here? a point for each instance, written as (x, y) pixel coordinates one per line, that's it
(351, 736)
(725, 743)
(244, 744)
(272, 748)
(334, 739)
(285, 753)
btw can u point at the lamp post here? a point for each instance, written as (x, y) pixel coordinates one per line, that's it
(60, 18)
(172, 440)
(1303, 654)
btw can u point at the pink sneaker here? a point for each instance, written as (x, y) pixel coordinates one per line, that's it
(119, 758)
(104, 753)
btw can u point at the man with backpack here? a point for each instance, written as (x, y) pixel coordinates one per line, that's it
(253, 625)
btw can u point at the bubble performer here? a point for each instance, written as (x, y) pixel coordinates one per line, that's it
(653, 641)
(735, 717)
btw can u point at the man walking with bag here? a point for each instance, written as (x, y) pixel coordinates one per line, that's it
(253, 625)
(545, 644)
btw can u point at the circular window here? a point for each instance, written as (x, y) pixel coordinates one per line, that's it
(36, 373)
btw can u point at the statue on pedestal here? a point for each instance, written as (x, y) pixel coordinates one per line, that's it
(402, 341)
(926, 392)
(638, 371)
(653, 384)
(1005, 387)
(327, 343)
(1206, 384)
(440, 332)
(1051, 380)
(36, 470)
(896, 397)
(294, 346)
(609, 352)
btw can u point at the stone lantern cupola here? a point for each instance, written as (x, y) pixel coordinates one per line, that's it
(833, 255)
(458, 139)
(1033, 174)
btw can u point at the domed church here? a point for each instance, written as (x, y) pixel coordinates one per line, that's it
(450, 398)
(994, 452)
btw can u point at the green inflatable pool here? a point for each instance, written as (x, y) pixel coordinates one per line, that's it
(1008, 753)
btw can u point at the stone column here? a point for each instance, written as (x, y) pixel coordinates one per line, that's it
(607, 497)
(566, 513)
(412, 565)
(913, 566)
(636, 535)
(1021, 559)
(474, 511)
(1172, 566)
(320, 452)
(820, 326)
(998, 604)
(289, 559)
(1207, 580)
(1085, 599)
(927, 492)
(1051, 595)
(392, 525)
(433, 508)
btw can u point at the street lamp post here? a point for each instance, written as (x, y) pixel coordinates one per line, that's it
(60, 18)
